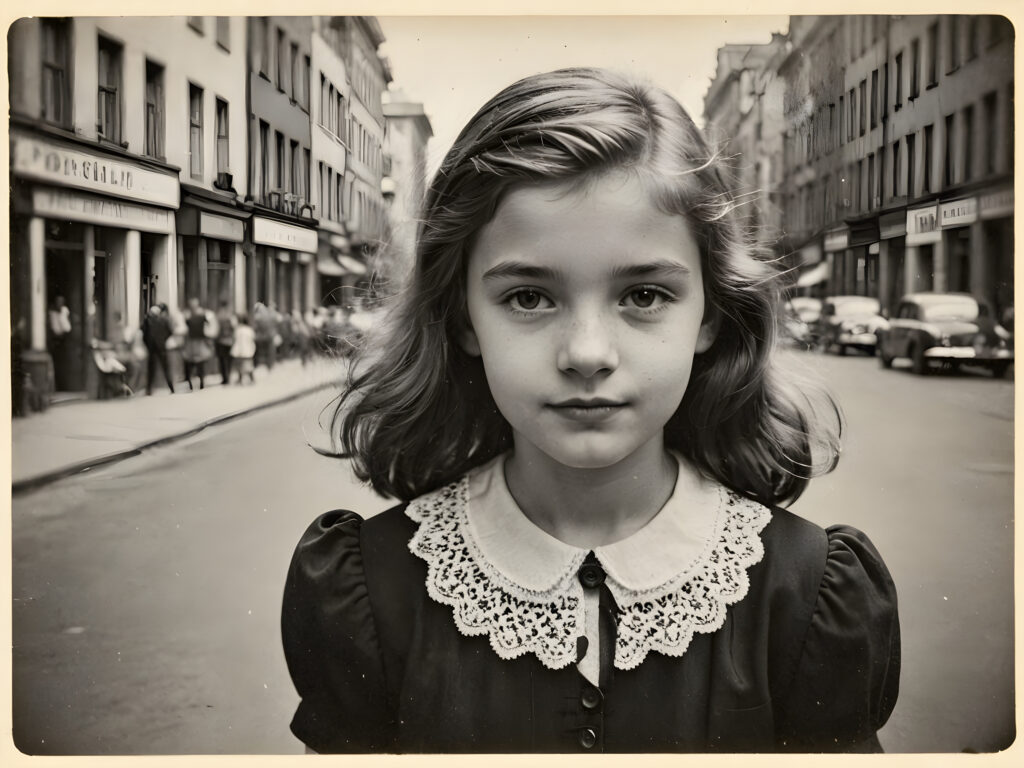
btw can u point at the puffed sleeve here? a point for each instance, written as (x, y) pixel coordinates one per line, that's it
(847, 678)
(331, 644)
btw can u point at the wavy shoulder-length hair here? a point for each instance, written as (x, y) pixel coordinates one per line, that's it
(418, 413)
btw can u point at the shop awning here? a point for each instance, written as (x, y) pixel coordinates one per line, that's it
(326, 265)
(813, 276)
(352, 266)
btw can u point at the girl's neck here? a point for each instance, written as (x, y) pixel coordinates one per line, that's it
(589, 508)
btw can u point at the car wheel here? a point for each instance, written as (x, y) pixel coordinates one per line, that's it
(918, 362)
(999, 369)
(883, 358)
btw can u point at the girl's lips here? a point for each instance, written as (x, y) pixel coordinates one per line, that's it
(587, 410)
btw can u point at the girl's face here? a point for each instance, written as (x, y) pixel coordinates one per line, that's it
(586, 307)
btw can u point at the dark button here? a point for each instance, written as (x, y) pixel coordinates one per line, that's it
(588, 738)
(591, 575)
(591, 697)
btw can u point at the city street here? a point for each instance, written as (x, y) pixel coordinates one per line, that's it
(147, 593)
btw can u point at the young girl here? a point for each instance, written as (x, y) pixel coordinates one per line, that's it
(577, 405)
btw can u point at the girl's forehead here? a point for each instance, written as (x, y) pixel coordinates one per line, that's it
(610, 218)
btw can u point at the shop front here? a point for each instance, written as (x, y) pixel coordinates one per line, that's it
(924, 261)
(955, 219)
(892, 242)
(211, 262)
(280, 264)
(992, 250)
(835, 244)
(92, 245)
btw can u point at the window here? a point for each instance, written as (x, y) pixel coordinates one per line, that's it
(196, 22)
(973, 31)
(279, 177)
(915, 69)
(282, 53)
(321, 189)
(899, 79)
(154, 110)
(331, 115)
(863, 106)
(896, 168)
(306, 165)
(953, 25)
(264, 160)
(330, 193)
(295, 86)
(261, 40)
(55, 43)
(880, 191)
(295, 182)
(927, 185)
(109, 107)
(990, 125)
(223, 156)
(831, 126)
(911, 141)
(933, 54)
(871, 181)
(322, 117)
(874, 98)
(341, 116)
(884, 95)
(195, 130)
(841, 130)
(947, 155)
(224, 32)
(304, 100)
(851, 123)
(968, 143)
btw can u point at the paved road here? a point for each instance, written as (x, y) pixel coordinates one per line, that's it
(146, 594)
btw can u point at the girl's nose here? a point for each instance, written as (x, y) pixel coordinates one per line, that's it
(588, 348)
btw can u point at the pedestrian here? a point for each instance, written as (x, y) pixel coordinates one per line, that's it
(201, 327)
(577, 403)
(226, 323)
(244, 349)
(130, 352)
(59, 331)
(266, 335)
(156, 334)
(300, 334)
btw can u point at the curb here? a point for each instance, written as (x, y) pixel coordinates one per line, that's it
(45, 478)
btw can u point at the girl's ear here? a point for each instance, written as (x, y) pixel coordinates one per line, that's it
(468, 341)
(708, 331)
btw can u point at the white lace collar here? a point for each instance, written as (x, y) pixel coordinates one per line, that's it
(506, 578)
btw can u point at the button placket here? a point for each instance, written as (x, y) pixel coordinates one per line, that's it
(591, 700)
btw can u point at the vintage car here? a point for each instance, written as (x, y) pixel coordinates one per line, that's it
(950, 328)
(850, 321)
(799, 320)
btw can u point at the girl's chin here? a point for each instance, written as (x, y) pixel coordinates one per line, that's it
(581, 457)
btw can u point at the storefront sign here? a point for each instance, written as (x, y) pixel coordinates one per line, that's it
(959, 213)
(221, 227)
(282, 235)
(93, 209)
(892, 225)
(38, 159)
(923, 226)
(996, 204)
(837, 241)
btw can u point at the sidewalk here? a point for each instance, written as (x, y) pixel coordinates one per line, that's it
(76, 436)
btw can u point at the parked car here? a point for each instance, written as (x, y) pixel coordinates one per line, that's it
(952, 328)
(850, 321)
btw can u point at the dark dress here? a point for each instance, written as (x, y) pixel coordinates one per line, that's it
(807, 661)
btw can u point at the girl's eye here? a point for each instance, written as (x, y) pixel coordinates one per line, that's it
(527, 300)
(646, 298)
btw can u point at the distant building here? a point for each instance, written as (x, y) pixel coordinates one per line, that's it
(743, 118)
(125, 136)
(899, 154)
(407, 134)
(282, 240)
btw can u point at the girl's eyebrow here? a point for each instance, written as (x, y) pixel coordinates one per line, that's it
(660, 267)
(507, 269)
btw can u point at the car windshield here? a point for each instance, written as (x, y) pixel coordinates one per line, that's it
(951, 309)
(853, 307)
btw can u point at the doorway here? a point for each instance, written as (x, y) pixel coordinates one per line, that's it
(65, 277)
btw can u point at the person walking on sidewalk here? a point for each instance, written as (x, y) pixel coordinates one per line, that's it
(226, 323)
(201, 326)
(156, 330)
(266, 330)
(244, 349)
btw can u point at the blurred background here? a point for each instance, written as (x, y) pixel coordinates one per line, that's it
(206, 212)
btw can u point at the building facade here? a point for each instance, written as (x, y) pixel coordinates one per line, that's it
(282, 239)
(407, 132)
(899, 154)
(120, 131)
